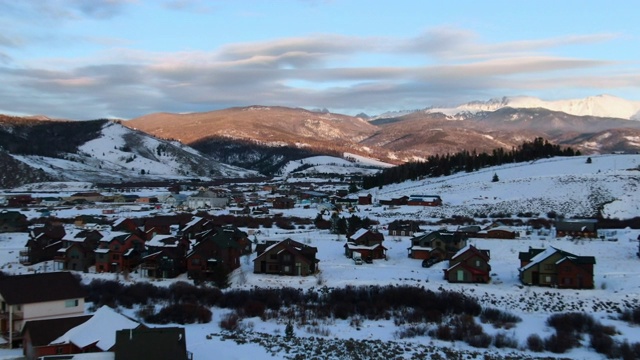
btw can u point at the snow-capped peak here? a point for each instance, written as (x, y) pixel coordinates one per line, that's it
(600, 105)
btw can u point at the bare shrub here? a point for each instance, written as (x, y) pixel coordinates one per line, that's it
(498, 317)
(602, 343)
(560, 342)
(479, 341)
(503, 340)
(535, 343)
(181, 314)
(411, 332)
(230, 322)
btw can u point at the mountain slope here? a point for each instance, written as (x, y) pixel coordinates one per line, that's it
(100, 151)
(243, 130)
(568, 186)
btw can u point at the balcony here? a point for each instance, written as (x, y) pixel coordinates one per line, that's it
(25, 256)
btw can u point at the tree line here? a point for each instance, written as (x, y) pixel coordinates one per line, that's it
(467, 161)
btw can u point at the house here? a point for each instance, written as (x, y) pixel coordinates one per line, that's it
(37, 335)
(283, 203)
(424, 200)
(207, 199)
(395, 201)
(13, 221)
(313, 196)
(85, 197)
(165, 258)
(125, 224)
(96, 334)
(498, 232)
(174, 200)
(152, 343)
(43, 244)
(287, 257)
(215, 251)
(50, 201)
(119, 252)
(125, 198)
(196, 225)
(403, 228)
(469, 265)
(582, 228)
(440, 244)
(555, 267)
(365, 199)
(19, 201)
(22, 299)
(78, 251)
(368, 243)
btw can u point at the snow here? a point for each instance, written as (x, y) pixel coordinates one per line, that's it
(531, 187)
(99, 329)
(600, 105)
(334, 165)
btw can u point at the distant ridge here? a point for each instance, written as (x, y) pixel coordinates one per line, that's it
(601, 106)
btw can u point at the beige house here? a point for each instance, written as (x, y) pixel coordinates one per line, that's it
(22, 298)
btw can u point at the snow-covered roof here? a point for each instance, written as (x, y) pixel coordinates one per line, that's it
(352, 246)
(100, 329)
(359, 233)
(157, 241)
(541, 256)
(461, 251)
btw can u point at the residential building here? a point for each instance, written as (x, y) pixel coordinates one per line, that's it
(557, 268)
(366, 242)
(469, 265)
(22, 299)
(287, 257)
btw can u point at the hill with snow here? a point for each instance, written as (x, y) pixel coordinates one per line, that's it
(351, 164)
(601, 106)
(114, 153)
(568, 186)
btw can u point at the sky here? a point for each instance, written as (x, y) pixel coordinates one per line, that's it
(89, 59)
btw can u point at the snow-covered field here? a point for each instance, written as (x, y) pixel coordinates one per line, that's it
(533, 187)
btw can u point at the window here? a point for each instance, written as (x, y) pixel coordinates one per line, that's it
(286, 257)
(548, 266)
(71, 303)
(460, 275)
(195, 261)
(273, 256)
(478, 263)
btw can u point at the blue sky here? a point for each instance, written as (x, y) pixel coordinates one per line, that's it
(87, 59)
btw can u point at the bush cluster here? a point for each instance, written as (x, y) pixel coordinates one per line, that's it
(570, 328)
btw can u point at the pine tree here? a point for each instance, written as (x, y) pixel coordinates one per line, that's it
(288, 331)
(495, 178)
(589, 160)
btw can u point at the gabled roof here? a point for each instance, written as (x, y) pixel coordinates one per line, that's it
(470, 249)
(99, 330)
(28, 289)
(163, 241)
(43, 332)
(551, 251)
(299, 249)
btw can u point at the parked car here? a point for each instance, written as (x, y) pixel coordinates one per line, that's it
(430, 262)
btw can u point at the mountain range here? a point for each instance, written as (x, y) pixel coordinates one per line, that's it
(254, 140)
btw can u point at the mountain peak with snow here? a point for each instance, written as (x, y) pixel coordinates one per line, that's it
(600, 105)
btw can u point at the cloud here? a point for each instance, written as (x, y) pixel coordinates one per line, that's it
(59, 10)
(321, 70)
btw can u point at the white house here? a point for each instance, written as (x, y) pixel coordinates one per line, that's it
(208, 199)
(38, 297)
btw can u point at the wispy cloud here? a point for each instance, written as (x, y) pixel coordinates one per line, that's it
(312, 71)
